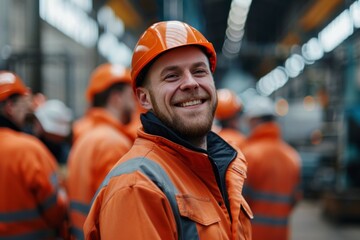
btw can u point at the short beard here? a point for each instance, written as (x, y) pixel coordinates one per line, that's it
(126, 117)
(193, 133)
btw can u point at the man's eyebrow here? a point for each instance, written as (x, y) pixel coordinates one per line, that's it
(168, 68)
(199, 64)
(174, 67)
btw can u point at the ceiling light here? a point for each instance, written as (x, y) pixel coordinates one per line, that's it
(336, 32)
(355, 13)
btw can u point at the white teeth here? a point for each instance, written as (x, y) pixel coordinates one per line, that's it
(190, 103)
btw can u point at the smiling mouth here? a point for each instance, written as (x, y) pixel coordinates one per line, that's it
(190, 103)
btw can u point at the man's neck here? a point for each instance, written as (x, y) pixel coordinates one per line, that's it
(200, 143)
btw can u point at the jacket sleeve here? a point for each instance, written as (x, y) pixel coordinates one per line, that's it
(134, 209)
(107, 155)
(43, 179)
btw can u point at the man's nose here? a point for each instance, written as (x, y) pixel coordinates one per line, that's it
(189, 82)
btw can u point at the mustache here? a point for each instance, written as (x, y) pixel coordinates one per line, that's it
(190, 97)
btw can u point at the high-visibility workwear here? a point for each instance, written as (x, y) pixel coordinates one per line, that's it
(104, 76)
(31, 206)
(165, 188)
(163, 36)
(91, 158)
(272, 187)
(10, 84)
(86, 122)
(232, 136)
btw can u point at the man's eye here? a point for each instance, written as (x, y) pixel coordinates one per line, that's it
(171, 76)
(200, 71)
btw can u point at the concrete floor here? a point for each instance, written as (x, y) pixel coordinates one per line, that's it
(307, 223)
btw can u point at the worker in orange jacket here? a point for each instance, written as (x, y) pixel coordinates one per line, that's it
(87, 122)
(272, 188)
(31, 204)
(179, 180)
(97, 150)
(227, 114)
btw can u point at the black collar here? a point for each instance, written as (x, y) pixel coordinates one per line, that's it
(5, 122)
(217, 147)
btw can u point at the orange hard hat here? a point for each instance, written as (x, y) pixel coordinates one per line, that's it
(229, 104)
(104, 76)
(10, 83)
(163, 36)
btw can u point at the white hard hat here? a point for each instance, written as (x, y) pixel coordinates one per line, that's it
(55, 117)
(259, 106)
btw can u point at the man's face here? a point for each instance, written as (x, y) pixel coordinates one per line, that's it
(126, 103)
(19, 109)
(129, 104)
(181, 92)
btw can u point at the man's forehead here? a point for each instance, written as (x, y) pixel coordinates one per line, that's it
(189, 55)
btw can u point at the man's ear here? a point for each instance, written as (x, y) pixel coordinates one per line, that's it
(143, 97)
(8, 108)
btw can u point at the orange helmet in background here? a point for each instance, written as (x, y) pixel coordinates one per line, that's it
(10, 84)
(229, 104)
(104, 76)
(163, 36)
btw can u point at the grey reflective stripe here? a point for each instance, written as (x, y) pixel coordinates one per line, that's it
(54, 180)
(28, 214)
(270, 221)
(80, 207)
(19, 216)
(266, 196)
(185, 227)
(49, 202)
(77, 233)
(40, 234)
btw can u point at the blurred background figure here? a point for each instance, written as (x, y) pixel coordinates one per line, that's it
(31, 204)
(52, 125)
(272, 187)
(101, 79)
(227, 117)
(101, 138)
(132, 127)
(38, 99)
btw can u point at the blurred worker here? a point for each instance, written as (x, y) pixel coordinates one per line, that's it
(31, 206)
(179, 180)
(228, 112)
(104, 76)
(272, 186)
(97, 150)
(135, 123)
(52, 125)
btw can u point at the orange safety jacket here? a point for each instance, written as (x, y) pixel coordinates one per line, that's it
(86, 122)
(232, 136)
(272, 187)
(89, 120)
(165, 188)
(91, 158)
(31, 206)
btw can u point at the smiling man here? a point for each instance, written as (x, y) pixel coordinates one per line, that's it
(179, 180)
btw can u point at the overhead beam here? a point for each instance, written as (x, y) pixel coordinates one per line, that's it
(128, 14)
(318, 13)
